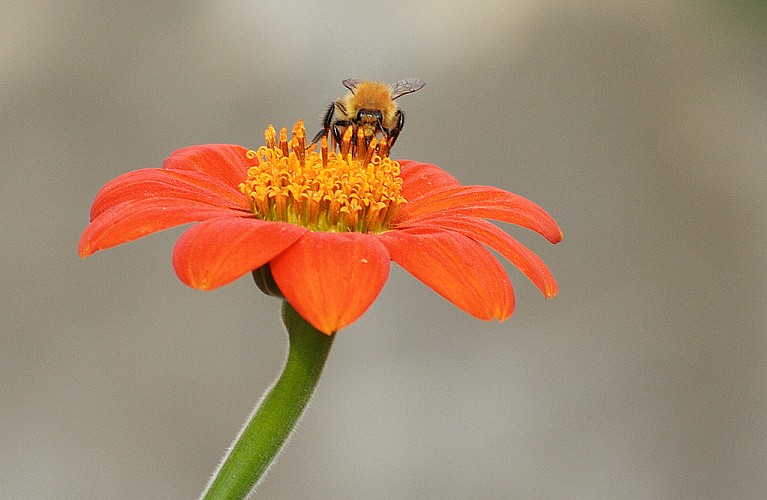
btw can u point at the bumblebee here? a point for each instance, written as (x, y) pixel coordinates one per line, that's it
(368, 106)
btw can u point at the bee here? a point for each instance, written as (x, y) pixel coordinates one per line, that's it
(368, 106)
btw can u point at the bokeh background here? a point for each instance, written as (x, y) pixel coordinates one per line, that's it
(641, 128)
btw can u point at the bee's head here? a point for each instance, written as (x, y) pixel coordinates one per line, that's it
(370, 120)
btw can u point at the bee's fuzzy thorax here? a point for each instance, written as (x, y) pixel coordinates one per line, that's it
(372, 95)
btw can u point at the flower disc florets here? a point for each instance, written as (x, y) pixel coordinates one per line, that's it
(355, 189)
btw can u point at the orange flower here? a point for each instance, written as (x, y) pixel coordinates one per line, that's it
(328, 224)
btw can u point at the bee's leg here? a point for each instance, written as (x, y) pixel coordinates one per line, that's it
(327, 122)
(337, 135)
(393, 132)
(339, 129)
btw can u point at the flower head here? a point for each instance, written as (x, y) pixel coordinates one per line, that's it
(334, 192)
(328, 223)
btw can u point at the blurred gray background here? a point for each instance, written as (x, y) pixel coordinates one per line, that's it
(641, 129)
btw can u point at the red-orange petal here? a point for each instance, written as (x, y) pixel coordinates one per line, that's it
(456, 267)
(131, 220)
(156, 182)
(218, 251)
(491, 235)
(419, 179)
(483, 202)
(332, 278)
(226, 162)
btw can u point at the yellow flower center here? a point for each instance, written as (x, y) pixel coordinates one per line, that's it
(357, 188)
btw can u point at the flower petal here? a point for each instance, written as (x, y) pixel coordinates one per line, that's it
(491, 235)
(419, 179)
(332, 278)
(484, 202)
(154, 182)
(218, 251)
(456, 267)
(131, 220)
(226, 162)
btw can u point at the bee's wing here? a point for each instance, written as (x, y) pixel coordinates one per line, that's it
(351, 83)
(407, 86)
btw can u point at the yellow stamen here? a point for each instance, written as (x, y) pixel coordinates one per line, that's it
(357, 188)
(360, 140)
(284, 141)
(346, 142)
(324, 149)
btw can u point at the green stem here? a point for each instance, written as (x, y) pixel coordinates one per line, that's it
(277, 414)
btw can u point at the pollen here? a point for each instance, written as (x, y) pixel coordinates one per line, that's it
(355, 189)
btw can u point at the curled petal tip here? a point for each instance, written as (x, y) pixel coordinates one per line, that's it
(551, 289)
(83, 252)
(85, 247)
(551, 230)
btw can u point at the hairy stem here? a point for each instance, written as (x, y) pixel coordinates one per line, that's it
(276, 414)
